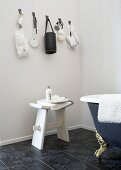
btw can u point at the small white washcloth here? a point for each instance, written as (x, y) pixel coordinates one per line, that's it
(110, 108)
(53, 106)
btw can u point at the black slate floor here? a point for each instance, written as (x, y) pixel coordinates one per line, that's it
(58, 155)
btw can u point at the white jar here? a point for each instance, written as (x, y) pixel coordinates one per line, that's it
(60, 35)
(48, 94)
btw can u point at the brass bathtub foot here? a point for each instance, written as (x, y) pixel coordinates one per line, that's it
(103, 145)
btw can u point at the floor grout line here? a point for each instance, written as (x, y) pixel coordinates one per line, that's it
(42, 162)
(76, 157)
(4, 164)
(71, 156)
(45, 163)
(116, 167)
(81, 160)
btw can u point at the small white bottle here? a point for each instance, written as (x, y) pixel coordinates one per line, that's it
(48, 94)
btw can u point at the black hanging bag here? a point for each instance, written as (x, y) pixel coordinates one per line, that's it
(50, 39)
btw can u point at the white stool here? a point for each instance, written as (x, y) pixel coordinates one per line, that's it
(41, 120)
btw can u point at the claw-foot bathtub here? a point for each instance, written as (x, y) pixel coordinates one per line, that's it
(107, 133)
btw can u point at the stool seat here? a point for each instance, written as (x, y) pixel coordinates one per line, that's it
(42, 104)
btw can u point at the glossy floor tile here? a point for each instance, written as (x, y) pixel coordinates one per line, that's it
(60, 155)
(2, 166)
(117, 168)
(58, 160)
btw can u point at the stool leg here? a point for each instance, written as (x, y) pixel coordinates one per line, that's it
(62, 132)
(38, 136)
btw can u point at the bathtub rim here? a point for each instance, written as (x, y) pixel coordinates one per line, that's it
(95, 98)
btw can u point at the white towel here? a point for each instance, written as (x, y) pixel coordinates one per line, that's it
(110, 108)
(48, 105)
(21, 44)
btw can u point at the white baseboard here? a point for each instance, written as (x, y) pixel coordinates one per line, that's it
(10, 141)
(87, 128)
(24, 138)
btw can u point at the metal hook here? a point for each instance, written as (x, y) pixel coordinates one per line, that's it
(59, 19)
(20, 11)
(47, 17)
(60, 22)
(33, 14)
(69, 22)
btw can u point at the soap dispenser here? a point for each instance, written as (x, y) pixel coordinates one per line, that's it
(48, 94)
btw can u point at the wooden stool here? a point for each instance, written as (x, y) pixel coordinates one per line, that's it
(41, 123)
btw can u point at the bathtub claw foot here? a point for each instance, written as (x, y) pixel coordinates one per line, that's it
(103, 145)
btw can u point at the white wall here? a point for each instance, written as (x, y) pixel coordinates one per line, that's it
(92, 69)
(24, 80)
(100, 29)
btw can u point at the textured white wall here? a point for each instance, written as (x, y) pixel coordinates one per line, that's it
(24, 80)
(94, 69)
(100, 28)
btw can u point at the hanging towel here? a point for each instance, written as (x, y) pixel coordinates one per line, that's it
(72, 38)
(20, 41)
(110, 108)
(21, 44)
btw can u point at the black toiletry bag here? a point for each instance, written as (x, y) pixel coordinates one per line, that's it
(50, 39)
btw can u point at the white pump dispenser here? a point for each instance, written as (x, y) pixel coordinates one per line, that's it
(48, 94)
